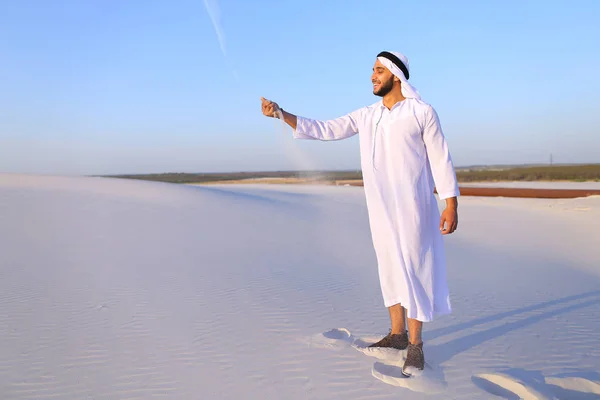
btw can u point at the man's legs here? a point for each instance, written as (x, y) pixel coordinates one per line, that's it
(415, 359)
(397, 338)
(397, 317)
(414, 330)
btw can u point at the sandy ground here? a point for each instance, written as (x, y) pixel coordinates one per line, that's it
(271, 181)
(117, 289)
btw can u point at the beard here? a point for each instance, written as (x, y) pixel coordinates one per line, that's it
(384, 88)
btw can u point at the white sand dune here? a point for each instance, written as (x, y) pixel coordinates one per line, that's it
(116, 289)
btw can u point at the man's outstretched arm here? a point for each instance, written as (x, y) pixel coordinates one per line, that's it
(305, 128)
(270, 108)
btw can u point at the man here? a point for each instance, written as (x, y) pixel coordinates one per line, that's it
(404, 156)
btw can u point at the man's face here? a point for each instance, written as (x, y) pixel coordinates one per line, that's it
(382, 78)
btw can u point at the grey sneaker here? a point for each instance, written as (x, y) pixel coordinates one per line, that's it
(415, 359)
(397, 341)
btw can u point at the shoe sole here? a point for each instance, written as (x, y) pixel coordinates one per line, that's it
(407, 374)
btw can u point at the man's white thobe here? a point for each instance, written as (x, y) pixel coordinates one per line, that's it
(404, 155)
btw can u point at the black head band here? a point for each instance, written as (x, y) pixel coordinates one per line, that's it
(396, 61)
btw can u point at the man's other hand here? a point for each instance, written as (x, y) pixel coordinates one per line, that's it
(449, 220)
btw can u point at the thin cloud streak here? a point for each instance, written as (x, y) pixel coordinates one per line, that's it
(212, 8)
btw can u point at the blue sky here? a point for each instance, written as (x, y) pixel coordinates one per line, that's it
(113, 86)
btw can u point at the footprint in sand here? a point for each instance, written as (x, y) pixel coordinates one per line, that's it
(508, 387)
(389, 367)
(430, 380)
(332, 339)
(338, 334)
(381, 353)
(527, 386)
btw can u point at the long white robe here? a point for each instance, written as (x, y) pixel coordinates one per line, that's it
(404, 156)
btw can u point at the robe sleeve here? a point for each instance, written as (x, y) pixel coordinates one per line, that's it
(333, 129)
(439, 157)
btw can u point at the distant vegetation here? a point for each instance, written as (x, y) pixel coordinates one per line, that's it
(589, 172)
(235, 176)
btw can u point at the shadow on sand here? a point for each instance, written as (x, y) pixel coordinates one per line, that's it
(433, 334)
(515, 383)
(446, 351)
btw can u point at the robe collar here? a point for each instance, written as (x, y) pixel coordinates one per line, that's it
(398, 104)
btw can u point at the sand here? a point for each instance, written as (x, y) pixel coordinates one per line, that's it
(117, 289)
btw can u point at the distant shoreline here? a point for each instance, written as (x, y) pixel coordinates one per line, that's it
(575, 173)
(473, 181)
